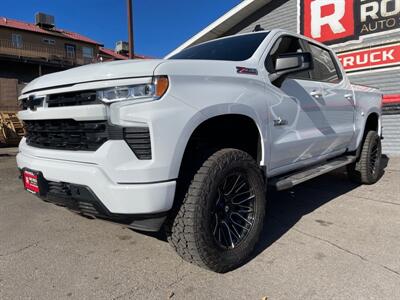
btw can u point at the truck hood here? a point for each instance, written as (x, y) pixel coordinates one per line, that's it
(95, 72)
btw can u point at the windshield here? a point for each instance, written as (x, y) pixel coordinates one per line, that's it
(235, 48)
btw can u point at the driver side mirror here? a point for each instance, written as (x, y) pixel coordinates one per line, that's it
(290, 63)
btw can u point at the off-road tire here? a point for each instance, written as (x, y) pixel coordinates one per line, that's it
(371, 152)
(189, 229)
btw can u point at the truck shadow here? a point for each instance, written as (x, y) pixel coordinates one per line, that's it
(286, 208)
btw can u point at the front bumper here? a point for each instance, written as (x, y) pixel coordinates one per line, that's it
(117, 198)
(82, 200)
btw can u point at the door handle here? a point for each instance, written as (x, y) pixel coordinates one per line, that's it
(349, 97)
(316, 94)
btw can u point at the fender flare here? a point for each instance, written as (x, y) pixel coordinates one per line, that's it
(362, 136)
(202, 116)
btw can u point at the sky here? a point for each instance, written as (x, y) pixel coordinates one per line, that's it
(159, 25)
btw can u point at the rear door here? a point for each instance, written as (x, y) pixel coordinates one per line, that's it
(336, 100)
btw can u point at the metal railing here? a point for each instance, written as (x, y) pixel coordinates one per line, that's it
(47, 53)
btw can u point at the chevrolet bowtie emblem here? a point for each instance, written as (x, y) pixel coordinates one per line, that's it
(32, 102)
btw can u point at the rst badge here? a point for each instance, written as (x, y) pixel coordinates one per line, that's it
(339, 21)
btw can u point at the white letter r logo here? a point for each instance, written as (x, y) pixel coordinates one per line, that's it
(333, 20)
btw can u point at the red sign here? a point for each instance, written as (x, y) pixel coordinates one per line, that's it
(391, 99)
(371, 58)
(339, 21)
(31, 182)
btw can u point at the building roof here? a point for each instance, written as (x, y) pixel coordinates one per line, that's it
(116, 55)
(6, 22)
(224, 23)
(112, 53)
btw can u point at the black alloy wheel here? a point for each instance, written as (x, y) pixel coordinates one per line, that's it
(233, 213)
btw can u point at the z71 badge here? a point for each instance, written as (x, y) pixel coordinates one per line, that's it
(244, 70)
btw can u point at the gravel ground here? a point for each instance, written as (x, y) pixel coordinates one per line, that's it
(325, 239)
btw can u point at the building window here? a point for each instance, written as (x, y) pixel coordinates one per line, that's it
(16, 40)
(87, 52)
(70, 51)
(48, 41)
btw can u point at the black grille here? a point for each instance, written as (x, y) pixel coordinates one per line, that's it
(81, 199)
(68, 134)
(138, 139)
(58, 188)
(75, 197)
(72, 98)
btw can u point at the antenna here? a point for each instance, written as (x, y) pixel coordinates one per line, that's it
(258, 28)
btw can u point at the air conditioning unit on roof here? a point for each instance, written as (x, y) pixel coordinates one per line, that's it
(44, 21)
(122, 47)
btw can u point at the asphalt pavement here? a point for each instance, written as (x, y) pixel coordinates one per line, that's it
(325, 239)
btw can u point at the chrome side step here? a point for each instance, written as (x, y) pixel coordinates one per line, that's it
(288, 181)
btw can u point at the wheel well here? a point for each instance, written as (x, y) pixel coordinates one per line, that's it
(226, 131)
(372, 123)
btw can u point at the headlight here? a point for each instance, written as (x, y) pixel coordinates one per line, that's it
(148, 91)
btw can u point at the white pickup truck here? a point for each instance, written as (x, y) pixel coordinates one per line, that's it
(190, 143)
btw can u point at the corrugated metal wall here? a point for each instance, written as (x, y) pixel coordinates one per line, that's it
(388, 81)
(278, 14)
(391, 133)
(283, 14)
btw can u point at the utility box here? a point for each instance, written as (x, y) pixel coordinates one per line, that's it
(44, 20)
(122, 47)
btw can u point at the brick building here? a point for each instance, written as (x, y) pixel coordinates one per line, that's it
(30, 50)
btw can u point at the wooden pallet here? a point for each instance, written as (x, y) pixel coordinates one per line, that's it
(11, 129)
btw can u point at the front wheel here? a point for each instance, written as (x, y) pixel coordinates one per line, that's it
(368, 167)
(221, 217)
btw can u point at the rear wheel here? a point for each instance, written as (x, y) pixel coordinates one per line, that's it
(368, 167)
(221, 217)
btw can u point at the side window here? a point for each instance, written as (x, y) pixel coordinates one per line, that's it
(16, 40)
(284, 45)
(48, 41)
(87, 52)
(70, 51)
(325, 68)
